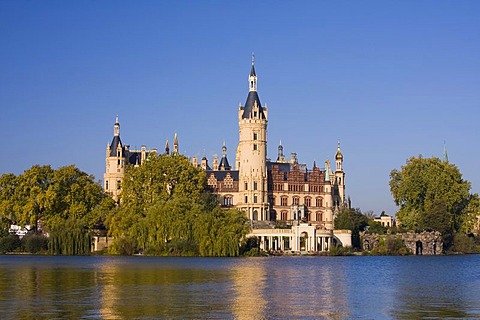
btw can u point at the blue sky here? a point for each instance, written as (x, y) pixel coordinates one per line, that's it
(390, 79)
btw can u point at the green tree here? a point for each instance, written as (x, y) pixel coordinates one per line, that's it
(67, 201)
(428, 191)
(52, 196)
(166, 210)
(354, 220)
(470, 222)
(432, 194)
(69, 237)
(30, 200)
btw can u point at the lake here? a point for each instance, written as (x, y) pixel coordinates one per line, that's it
(100, 287)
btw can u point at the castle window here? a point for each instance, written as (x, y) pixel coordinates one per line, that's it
(228, 201)
(254, 147)
(284, 201)
(284, 215)
(119, 184)
(246, 187)
(255, 114)
(319, 216)
(255, 136)
(106, 185)
(319, 202)
(246, 199)
(296, 201)
(255, 199)
(308, 202)
(255, 185)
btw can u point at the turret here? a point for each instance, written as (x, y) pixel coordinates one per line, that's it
(167, 148)
(339, 178)
(175, 144)
(224, 165)
(280, 157)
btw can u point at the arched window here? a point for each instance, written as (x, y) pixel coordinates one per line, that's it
(228, 200)
(308, 201)
(296, 201)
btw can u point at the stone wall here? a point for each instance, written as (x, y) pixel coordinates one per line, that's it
(424, 243)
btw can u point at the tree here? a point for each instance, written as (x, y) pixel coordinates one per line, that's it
(52, 196)
(166, 210)
(354, 220)
(431, 194)
(470, 222)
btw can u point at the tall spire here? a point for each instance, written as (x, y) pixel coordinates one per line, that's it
(167, 148)
(339, 155)
(445, 155)
(116, 128)
(252, 79)
(175, 144)
(280, 157)
(224, 165)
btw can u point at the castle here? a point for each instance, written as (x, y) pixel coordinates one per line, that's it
(290, 207)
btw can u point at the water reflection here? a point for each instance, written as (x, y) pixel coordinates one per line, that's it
(269, 288)
(249, 278)
(246, 288)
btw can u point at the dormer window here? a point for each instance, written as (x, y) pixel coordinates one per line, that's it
(254, 114)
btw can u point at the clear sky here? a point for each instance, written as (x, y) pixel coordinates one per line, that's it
(389, 79)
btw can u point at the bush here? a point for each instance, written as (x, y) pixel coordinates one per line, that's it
(35, 243)
(123, 246)
(339, 251)
(463, 244)
(390, 246)
(10, 243)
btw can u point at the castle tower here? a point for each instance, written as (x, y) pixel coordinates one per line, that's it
(252, 153)
(339, 178)
(115, 164)
(328, 197)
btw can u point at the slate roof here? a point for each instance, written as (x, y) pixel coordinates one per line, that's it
(221, 174)
(224, 164)
(114, 145)
(251, 99)
(135, 157)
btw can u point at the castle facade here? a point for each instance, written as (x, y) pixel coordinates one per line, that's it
(290, 206)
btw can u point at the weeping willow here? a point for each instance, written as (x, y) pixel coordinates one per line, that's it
(69, 238)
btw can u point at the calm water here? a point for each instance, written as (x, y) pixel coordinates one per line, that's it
(38, 287)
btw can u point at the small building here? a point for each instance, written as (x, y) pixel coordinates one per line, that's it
(385, 220)
(302, 237)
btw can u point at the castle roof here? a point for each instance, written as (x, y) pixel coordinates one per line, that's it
(224, 165)
(252, 98)
(114, 145)
(220, 175)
